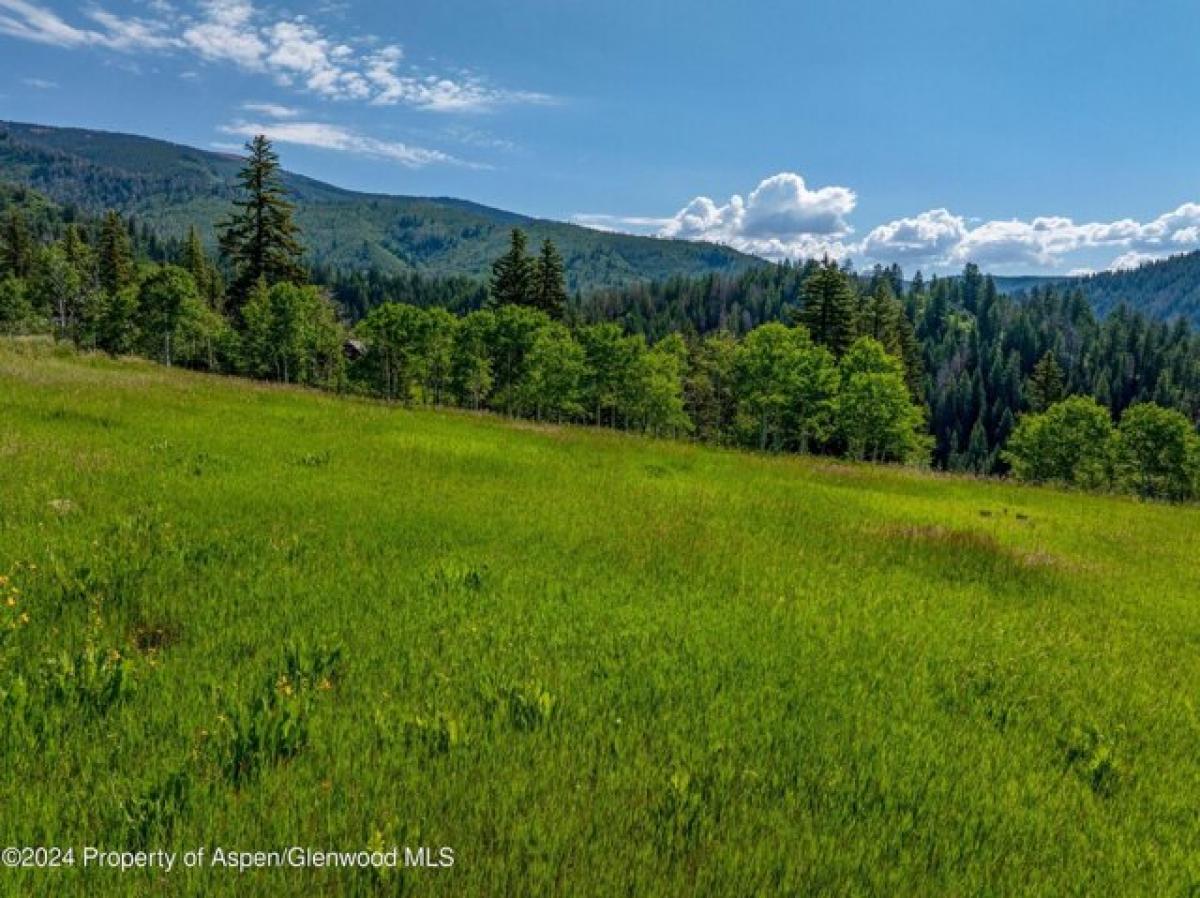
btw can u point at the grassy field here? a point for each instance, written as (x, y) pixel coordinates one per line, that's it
(252, 617)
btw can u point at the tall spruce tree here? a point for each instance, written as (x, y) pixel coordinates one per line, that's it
(829, 308)
(196, 261)
(115, 255)
(512, 275)
(549, 281)
(16, 245)
(261, 240)
(1046, 384)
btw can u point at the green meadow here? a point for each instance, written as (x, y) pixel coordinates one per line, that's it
(249, 617)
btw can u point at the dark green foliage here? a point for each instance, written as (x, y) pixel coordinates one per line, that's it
(16, 245)
(549, 282)
(115, 255)
(1046, 385)
(828, 310)
(1166, 290)
(261, 241)
(512, 282)
(204, 273)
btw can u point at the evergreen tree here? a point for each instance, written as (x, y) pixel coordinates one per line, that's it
(16, 245)
(978, 458)
(829, 308)
(261, 240)
(513, 275)
(207, 277)
(1046, 385)
(549, 282)
(115, 255)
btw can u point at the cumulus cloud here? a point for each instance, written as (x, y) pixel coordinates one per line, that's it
(932, 234)
(938, 238)
(1131, 260)
(292, 49)
(782, 217)
(335, 137)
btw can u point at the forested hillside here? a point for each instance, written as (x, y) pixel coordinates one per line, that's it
(977, 358)
(170, 188)
(1166, 289)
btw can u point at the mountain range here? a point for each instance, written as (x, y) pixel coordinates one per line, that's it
(170, 187)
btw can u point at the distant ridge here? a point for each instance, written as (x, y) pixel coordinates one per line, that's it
(170, 187)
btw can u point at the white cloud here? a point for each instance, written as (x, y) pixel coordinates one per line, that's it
(227, 33)
(629, 224)
(781, 218)
(784, 219)
(132, 34)
(272, 110)
(433, 93)
(1130, 260)
(335, 137)
(1044, 242)
(293, 50)
(39, 83)
(29, 21)
(932, 234)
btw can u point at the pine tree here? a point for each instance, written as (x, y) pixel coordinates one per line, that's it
(261, 240)
(208, 279)
(16, 245)
(115, 255)
(1046, 384)
(194, 259)
(512, 275)
(549, 282)
(829, 308)
(978, 457)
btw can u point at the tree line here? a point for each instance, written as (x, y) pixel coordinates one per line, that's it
(809, 357)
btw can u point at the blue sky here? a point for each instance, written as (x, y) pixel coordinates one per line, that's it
(1028, 136)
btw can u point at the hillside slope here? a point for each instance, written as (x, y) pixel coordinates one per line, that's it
(172, 187)
(592, 664)
(1166, 289)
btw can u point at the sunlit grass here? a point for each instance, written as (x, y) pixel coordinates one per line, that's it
(591, 663)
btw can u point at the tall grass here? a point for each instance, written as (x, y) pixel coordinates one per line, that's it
(253, 617)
